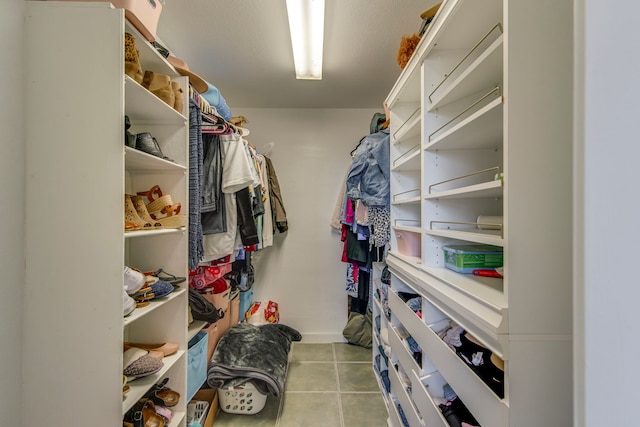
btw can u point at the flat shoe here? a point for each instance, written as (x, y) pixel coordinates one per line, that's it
(167, 348)
(140, 363)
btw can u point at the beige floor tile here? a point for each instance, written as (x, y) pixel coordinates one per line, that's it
(357, 377)
(310, 410)
(302, 352)
(311, 376)
(363, 410)
(352, 353)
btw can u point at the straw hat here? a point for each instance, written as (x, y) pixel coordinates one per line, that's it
(195, 80)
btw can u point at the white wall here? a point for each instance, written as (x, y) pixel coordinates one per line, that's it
(302, 272)
(11, 208)
(607, 223)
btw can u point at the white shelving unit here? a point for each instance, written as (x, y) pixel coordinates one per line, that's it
(78, 171)
(485, 100)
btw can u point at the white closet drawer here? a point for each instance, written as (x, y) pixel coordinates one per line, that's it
(483, 403)
(402, 352)
(427, 394)
(394, 415)
(404, 399)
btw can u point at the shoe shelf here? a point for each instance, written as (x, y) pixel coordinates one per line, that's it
(140, 162)
(409, 129)
(141, 386)
(153, 305)
(143, 106)
(467, 79)
(150, 58)
(481, 84)
(409, 160)
(489, 189)
(407, 87)
(481, 128)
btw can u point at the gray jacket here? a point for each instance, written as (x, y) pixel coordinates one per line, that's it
(368, 178)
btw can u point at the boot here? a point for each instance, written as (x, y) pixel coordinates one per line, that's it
(160, 86)
(178, 104)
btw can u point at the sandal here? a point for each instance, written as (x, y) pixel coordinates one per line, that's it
(157, 201)
(167, 277)
(144, 414)
(163, 395)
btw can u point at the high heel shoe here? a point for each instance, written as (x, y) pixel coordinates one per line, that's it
(157, 201)
(132, 220)
(141, 209)
(172, 216)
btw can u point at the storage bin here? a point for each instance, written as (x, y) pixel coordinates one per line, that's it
(144, 15)
(408, 243)
(219, 300)
(196, 363)
(466, 258)
(209, 395)
(244, 399)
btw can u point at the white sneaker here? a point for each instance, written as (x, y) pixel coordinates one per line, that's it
(133, 280)
(128, 303)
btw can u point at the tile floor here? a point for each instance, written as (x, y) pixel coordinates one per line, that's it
(328, 385)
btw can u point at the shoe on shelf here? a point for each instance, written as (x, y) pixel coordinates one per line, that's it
(160, 86)
(128, 303)
(166, 348)
(143, 213)
(144, 414)
(140, 363)
(167, 277)
(133, 280)
(162, 395)
(132, 66)
(156, 201)
(147, 143)
(132, 220)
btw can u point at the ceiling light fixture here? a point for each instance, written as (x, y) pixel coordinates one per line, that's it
(306, 24)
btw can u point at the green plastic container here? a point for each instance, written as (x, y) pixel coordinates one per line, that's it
(466, 258)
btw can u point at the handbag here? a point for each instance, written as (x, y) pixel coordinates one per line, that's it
(202, 309)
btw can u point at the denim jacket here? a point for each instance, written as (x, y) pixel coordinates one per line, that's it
(368, 178)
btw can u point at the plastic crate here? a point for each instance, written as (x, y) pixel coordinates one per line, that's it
(197, 412)
(466, 258)
(197, 363)
(244, 399)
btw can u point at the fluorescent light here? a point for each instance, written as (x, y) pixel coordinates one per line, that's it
(306, 24)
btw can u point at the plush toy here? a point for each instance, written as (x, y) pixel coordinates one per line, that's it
(408, 45)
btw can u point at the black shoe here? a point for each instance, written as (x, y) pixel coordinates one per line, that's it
(147, 143)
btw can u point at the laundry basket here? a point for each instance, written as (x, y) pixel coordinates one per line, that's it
(243, 399)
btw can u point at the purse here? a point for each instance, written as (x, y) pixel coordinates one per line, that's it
(202, 309)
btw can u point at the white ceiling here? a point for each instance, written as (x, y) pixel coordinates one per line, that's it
(243, 48)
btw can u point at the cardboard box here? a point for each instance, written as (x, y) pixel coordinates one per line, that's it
(208, 395)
